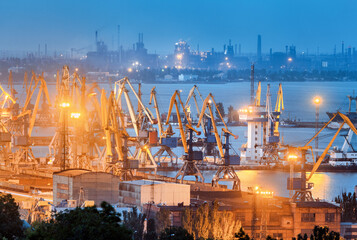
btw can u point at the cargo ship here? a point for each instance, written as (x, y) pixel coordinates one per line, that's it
(351, 115)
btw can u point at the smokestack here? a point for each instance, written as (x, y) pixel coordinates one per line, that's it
(271, 53)
(118, 37)
(343, 48)
(259, 48)
(252, 84)
(96, 41)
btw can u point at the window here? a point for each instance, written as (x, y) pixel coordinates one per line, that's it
(307, 217)
(277, 235)
(329, 217)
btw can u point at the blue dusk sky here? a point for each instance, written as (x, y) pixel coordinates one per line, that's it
(65, 24)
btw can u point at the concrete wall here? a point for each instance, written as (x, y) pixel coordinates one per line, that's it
(97, 186)
(169, 194)
(135, 193)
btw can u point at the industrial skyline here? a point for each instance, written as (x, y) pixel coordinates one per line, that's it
(314, 26)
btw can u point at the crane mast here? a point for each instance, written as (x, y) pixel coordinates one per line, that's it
(225, 171)
(191, 156)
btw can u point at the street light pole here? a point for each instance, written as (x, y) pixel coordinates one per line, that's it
(317, 102)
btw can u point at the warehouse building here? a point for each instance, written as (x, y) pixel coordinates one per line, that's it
(83, 185)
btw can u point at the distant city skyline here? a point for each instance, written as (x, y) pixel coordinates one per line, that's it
(62, 25)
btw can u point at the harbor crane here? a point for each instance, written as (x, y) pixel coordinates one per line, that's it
(300, 185)
(191, 156)
(142, 123)
(225, 171)
(23, 124)
(209, 143)
(167, 142)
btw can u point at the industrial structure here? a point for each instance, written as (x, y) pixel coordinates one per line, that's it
(107, 145)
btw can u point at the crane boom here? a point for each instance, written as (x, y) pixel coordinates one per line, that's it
(153, 98)
(258, 94)
(347, 121)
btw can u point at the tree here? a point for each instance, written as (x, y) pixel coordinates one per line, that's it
(151, 230)
(162, 220)
(323, 233)
(220, 109)
(134, 221)
(187, 220)
(82, 223)
(173, 233)
(348, 204)
(241, 235)
(10, 222)
(230, 114)
(202, 223)
(228, 226)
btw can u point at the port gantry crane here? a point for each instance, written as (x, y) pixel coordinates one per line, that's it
(209, 144)
(225, 171)
(166, 140)
(116, 159)
(22, 125)
(142, 124)
(191, 156)
(7, 102)
(300, 185)
(75, 143)
(271, 146)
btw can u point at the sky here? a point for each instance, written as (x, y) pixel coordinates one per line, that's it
(66, 24)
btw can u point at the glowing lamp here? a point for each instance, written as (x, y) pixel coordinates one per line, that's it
(65, 105)
(75, 115)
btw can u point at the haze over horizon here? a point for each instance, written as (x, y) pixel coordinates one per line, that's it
(66, 24)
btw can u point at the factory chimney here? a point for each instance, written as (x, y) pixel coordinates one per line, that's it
(96, 40)
(343, 48)
(118, 37)
(259, 48)
(252, 85)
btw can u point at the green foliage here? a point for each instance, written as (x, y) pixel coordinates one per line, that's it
(175, 234)
(348, 207)
(87, 223)
(209, 223)
(320, 233)
(202, 223)
(10, 222)
(241, 235)
(134, 221)
(187, 220)
(151, 230)
(230, 114)
(220, 108)
(162, 220)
